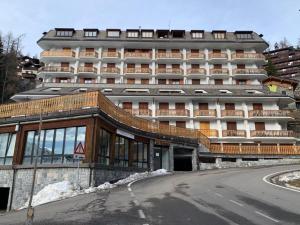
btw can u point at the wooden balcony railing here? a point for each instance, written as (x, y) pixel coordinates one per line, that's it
(58, 53)
(97, 100)
(249, 71)
(83, 69)
(137, 70)
(107, 54)
(57, 69)
(144, 55)
(221, 55)
(255, 149)
(248, 56)
(233, 113)
(209, 112)
(269, 113)
(196, 55)
(169, 55)
(219, 71)
(85, 54)
(234, 133)
(271, 133)
(114, 70)
(169, 71)
(140, 112)
(172, 112)
(196, 71)
(210, 133)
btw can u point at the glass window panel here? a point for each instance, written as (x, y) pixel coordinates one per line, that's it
(58, 145)
(141, 150)
(3, 144)
(11, 148)
(69, 144)
(81, 135)
(48, 145)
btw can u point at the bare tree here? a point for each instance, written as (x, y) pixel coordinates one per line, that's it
(284, 43)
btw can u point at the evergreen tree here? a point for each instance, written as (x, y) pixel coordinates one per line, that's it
(271, 69)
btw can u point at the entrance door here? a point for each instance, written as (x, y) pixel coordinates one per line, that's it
(180, 124)
(229, 106)
(4, 193)
(127, 105)
(231, 126)
(240, 66)
(259, 126)
(257, 106)
(203, 106)
(157, 161)
(163, 105)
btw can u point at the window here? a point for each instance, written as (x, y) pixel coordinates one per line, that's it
(147, 34)
(107, 90)
(104, 147)
(90, 33)
(136, 91)
(56, 145)
(7, 147)
(171, 91)
(53, 89)
(64, 33)
(244, 36)
(140, 154)
(200, 92)
(113, 33)
(219, 35)
(132, 34)
(225, 92)
(197, 35)
(121, 151)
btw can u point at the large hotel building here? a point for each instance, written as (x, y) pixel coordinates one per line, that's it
(144, 99)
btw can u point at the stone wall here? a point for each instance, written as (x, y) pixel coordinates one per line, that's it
(6, 179)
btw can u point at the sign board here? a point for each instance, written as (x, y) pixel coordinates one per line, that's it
(79, 152)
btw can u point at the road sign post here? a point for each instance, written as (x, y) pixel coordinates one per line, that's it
(79, 155)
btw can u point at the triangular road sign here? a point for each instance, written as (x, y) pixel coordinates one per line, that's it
(79, 150)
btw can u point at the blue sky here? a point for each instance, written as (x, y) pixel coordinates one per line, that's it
(273, 18)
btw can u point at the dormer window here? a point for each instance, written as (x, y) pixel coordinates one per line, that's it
(61, 32)
(197, 34)
(132, 33)
(178, 33)
(219, 34)
(113, 33)
(200, 92)
(90, 32)
(225, 92)
(147, 34)
(243, 35)
(162, 34)
(107, 90)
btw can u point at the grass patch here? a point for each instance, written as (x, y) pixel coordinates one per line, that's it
(295, 183)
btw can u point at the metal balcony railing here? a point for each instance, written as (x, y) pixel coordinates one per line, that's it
(169, 55)
(269, 113)
(169, 71)
(137, 70)
(58, 53)
(219, 71)
(144, 55)
(87, 54)
(271, 133)
(83, 69)
(249, 71)
(248, 56)
(57, 69)
(221, 55)
(107, 54)
(208, 112)
(140, 112)
(233, 113)
(196, 71)
(195, 55)
(172, 112)
(114, 70)
(234, 133)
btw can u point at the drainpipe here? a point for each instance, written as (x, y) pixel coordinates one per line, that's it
(93, 151)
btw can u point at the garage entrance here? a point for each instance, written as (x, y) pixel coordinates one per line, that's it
(4, 194)
(183, 159)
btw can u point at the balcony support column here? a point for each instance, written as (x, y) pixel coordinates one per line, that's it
(278, 147)
(258, 148)
(222, 147)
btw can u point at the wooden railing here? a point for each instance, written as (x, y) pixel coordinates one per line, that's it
(83, 69)
(208, 112)
(221, 55)
(235, 113)
(234, 133)
(169, 71)
(168, 55)
(58, 53)
(57, 69)
(249, 71)
(269, 113)
(87, 54)
(271, 133)
(110, 70)
(219, 71)
(210, 133)
(195, 55)
(140, 112)
(172, 112)
(107, 54)
(248, 56)
(145, 55)
(200, 71)
(137, 70)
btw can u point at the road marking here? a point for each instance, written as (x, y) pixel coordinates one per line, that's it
(265, 179)
(237, 203)
(136, 202)
(141, 214)
(132, 194)
(266, 216)
(219, 195)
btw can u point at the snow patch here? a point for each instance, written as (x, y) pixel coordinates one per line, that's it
(64, 189)
(289, 176)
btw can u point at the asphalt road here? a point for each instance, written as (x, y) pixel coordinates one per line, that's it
(217, 197)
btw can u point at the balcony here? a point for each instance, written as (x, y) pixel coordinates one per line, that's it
(234, 133)
(218, 57)
(249, 73)
(87, 54)
(87, 70)
(137, 70)
(219, 73)
(272, 133)
(140, 112)
(169, 56)
(169, 71)
(210, 133)
(110, 56)
(232, 113)
(246, 57)
(138, 56)
(269, 113)
(173, 112)
(205, 113)
(110, 71)
(56, 69)
(195, 56)
(58, 55)
(197, 72)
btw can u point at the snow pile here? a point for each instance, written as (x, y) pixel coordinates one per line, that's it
(289, 176)
(65, 189)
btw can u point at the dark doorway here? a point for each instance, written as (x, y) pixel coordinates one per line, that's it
(4, 194)
(183, 159)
